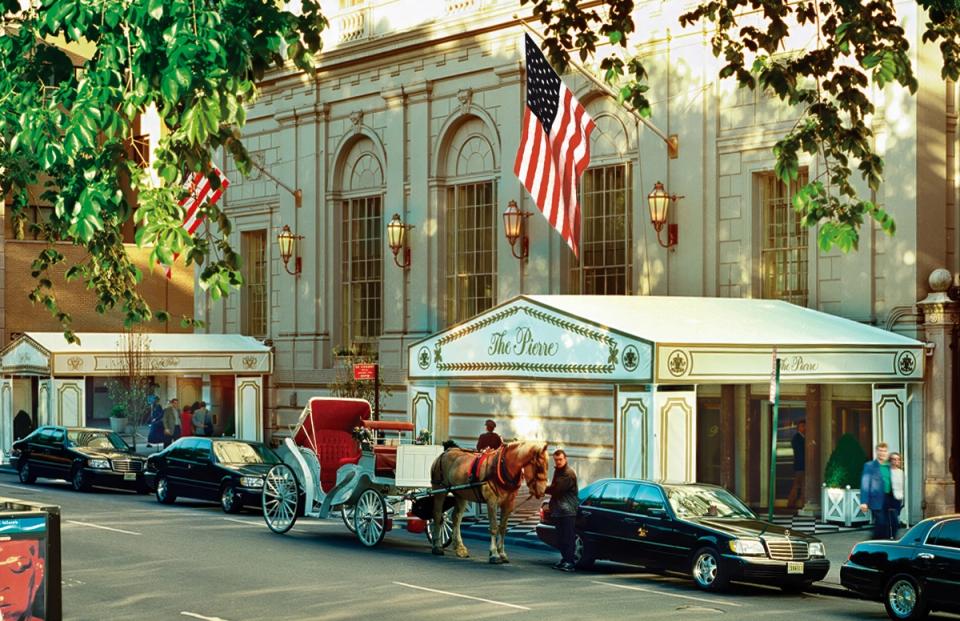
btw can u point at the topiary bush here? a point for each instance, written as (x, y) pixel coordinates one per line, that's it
(845, 464)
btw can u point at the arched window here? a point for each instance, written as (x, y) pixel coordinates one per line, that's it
(606, 260)
(470, 216)
(361, 239)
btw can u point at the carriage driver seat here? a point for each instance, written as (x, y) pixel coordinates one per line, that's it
(385, 456)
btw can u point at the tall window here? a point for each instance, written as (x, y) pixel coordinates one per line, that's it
(783, 256)
(605, 258)
(253, 300)
(361, 256)
(471, 252)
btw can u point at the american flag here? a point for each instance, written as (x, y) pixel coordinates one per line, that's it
(554, 148)
(201, 192)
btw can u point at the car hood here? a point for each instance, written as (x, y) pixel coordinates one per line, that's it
(749, 528)
(106, 453)
(250, 470)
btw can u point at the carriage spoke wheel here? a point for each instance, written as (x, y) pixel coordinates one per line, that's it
(279, 498)
(446, 528)
(370, 518)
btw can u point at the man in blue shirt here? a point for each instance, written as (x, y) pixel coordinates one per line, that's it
(875, 491)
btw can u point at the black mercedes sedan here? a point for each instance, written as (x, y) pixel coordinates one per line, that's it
(224, 469)
(701, 530)
(912, 576)
(83, 456)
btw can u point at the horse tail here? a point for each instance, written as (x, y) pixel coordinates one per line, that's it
(436, 471)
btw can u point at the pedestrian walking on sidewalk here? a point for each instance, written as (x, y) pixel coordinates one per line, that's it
(876, 489)
(170, 415)
(896, 493)
(564, 503)
(797, 497)
(155, 435)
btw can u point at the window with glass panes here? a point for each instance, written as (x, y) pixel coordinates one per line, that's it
(470, 220)
(253, 298)
(362, 272)
(783, 256)
(605, 264)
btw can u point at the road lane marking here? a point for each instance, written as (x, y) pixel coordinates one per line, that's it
(678, 595)
(245, 522)
(479, 599)
(116, 530)
(196, 616)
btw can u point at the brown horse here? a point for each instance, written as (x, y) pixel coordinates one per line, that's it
(500, 474)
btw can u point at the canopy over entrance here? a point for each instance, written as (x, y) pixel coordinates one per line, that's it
(663, 340)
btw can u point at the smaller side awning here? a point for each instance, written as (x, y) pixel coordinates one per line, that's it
(102, 353)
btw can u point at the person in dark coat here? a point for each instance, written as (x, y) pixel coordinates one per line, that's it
(155, 435)
(797, 497)
(564, 503)
(875, 491)
(22, 425)
(490, 439)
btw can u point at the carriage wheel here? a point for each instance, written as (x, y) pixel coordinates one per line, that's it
(370, 518)
(346, 512)
(446, 528)
(279, 498)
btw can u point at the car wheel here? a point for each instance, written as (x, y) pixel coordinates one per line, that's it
(229, 501)
(165, 493)
(79, 480)
(707, 571)
(583, 555)
(26, 473)
(904, 599)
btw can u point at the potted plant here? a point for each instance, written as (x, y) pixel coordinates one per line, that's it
(118, 419)
(841, 483)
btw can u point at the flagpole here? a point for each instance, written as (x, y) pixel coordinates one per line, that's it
(672, 142)
(297, 194)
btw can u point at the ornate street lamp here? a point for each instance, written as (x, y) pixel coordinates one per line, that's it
(514, 229)
(659, 202)
(287, 241)
(397, 239)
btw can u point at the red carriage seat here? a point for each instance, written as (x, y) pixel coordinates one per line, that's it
(326, 429)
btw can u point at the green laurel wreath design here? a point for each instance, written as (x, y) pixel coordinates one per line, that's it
(526, 366)
(453, 336)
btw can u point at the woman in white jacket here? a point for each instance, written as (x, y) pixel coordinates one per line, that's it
(895, 500)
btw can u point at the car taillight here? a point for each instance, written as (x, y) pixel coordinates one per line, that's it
(544, 513)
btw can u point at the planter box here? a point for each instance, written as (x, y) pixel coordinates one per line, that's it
(119, 425)
(842, 505)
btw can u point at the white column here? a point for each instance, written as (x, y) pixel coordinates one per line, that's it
(634, 433)
(890, 426)
(675, 437)
(6, 418)
(248, 410)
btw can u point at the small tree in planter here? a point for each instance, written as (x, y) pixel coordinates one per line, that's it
(118, 419)
(133, 384)
(841, 482)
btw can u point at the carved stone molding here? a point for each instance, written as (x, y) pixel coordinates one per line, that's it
(465, 97)
(356, 118)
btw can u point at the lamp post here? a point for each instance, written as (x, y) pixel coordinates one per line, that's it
(397, 239)
(514, 229)
(659, 202)
(287, 241)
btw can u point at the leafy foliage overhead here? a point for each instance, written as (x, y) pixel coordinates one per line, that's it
(858, 44)
(67, 133)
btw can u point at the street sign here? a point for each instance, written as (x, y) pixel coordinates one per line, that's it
(365, 371)
(773, 376)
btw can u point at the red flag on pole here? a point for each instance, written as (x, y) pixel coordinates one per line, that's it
(201, 192)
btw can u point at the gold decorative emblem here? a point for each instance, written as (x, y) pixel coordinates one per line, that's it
(167, 362)
(249, 362)
(678, 363)
(75, 363)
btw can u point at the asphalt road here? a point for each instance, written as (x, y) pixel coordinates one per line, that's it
(128, 557)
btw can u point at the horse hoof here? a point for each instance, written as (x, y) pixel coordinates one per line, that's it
(504, 560)
(495, 560)
(437, 552)
(463, 554)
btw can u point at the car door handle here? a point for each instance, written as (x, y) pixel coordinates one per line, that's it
(586, 513)
(925, 556)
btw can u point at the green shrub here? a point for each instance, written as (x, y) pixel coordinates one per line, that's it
(118, 412)
(845, 464)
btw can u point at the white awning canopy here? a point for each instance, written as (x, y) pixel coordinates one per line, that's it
(664, 340)
(101, 353)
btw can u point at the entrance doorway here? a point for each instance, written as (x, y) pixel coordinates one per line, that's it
(759, 420)
(709, 441)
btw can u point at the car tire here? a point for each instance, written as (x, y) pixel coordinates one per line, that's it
(904, 598)
(79, 480)
(26, 473)
(229, 501)
(707, 571)
(165, 495)
(583, 554)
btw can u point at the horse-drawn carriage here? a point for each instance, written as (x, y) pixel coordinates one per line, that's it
(374, 475)
(374, 481)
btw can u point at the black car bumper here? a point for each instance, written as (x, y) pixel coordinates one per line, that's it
(111, 478)
(861, 580)
(547, 534)
(750, 569)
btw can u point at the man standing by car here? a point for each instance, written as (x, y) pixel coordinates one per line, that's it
(564, 502)
(875, 488)
(797, 498)
(170, 417)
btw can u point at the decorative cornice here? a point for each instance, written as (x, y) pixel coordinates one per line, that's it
(419, 91)
(286, 117)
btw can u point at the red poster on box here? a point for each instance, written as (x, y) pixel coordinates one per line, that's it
(364, 371)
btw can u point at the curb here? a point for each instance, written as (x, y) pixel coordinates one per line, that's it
(831, 588)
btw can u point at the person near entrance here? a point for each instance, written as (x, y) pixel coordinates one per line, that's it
(876, 490)
(490, 439)
(896, 493)
(564, 503)
(170, 417)
(797, 498)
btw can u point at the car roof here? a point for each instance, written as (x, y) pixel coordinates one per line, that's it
(84, 429)
(661, 484)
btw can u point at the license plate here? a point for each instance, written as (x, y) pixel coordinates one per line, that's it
(794, 568)
(129, 476)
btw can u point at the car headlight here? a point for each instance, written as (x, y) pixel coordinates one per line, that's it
(251, 481)
(747, 547)
(816, 549)
(99, 463)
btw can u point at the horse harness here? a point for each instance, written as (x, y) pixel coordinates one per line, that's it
(498, 476)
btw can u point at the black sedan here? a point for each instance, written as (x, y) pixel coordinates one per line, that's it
(223, 469)
(701, 530)
(917, 574)
(83, 456)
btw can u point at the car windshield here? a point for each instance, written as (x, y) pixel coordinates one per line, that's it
(97, 440)
(243, 453)
(695, 502)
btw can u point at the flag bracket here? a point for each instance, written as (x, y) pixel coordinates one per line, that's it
(297, 194)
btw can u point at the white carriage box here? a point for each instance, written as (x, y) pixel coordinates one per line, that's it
(413, 464)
